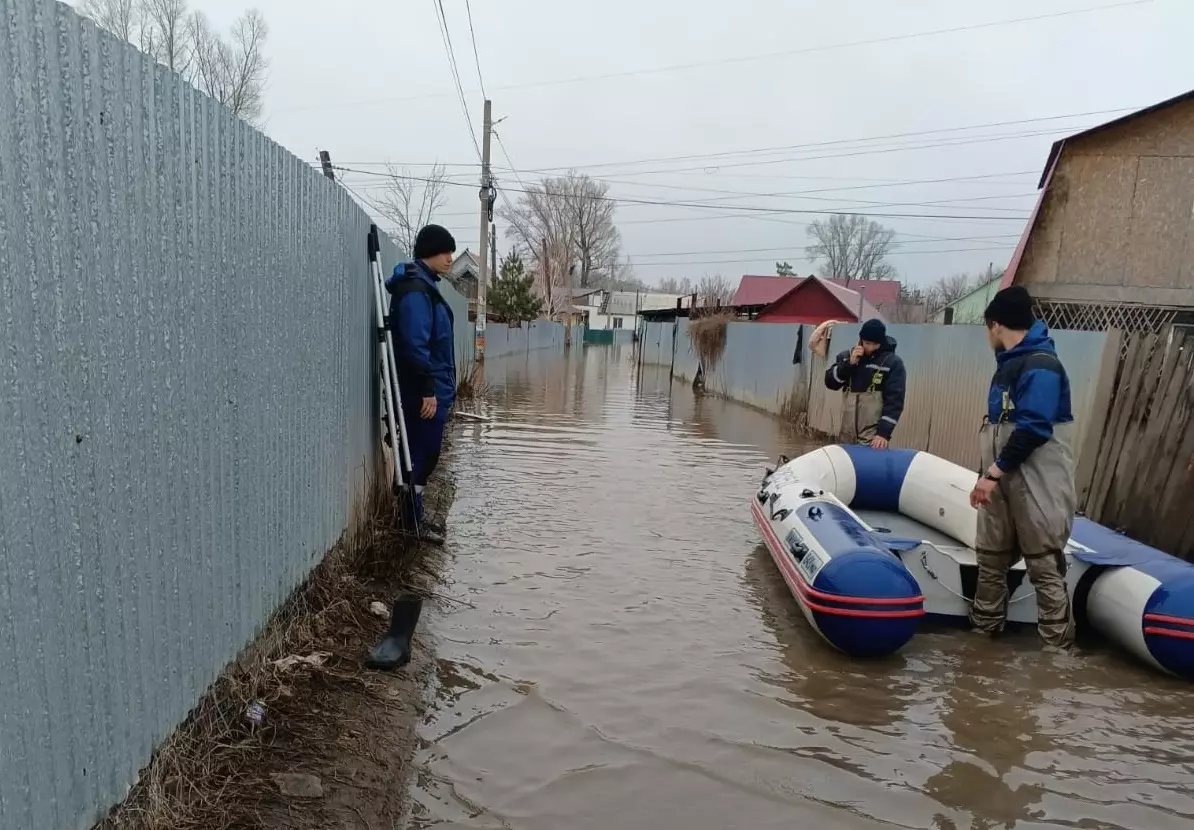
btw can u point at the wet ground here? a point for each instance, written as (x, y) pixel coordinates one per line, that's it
(630, 658)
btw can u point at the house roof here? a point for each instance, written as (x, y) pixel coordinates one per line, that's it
(1055, 150)
(464, 263)
(985, 286)
(850, 300)
(764, 290)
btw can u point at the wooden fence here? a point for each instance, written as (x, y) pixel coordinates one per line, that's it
(1143, 478)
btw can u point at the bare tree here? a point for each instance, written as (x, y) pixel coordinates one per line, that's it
(852, 247)
(672, 285)
(120, 17)
(410, 201)
(166, 33)
(232, 70)
(948, 289)
(715, 290)
(576, 216)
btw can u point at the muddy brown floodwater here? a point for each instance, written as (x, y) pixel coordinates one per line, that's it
(632, 659)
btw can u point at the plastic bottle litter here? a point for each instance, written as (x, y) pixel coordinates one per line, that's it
(256, 712)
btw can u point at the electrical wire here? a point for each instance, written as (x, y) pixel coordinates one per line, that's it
(698, 205)
(446, 35)
(638, 264)
(793, 147)
(468, 7)
(634, 73)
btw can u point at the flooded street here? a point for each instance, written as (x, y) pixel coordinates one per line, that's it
(630, 658)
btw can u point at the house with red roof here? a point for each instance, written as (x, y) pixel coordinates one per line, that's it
(812, 299)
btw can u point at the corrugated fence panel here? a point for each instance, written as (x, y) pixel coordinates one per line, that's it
(757, 366)
(949, 372)
(685, 363)
(656, 344)
(187, 400)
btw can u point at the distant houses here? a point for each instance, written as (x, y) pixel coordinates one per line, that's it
(969, 308)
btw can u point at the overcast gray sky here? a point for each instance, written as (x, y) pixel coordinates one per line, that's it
(370, 82)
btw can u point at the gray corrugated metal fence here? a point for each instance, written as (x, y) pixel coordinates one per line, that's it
(187, 401)
(949, 370)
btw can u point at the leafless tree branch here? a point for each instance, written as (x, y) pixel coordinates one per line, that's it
(852, 247)
(410, 202)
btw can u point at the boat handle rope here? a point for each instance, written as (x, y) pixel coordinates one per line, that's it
(924, 563)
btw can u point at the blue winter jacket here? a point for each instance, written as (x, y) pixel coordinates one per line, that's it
(1031, 390)
(424, 346)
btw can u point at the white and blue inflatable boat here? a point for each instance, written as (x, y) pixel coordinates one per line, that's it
(870, 542)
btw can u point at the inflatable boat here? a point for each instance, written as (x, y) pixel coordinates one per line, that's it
(871, 542)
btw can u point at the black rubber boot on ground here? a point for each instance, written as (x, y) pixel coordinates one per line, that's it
(394, 650)
(430, 535)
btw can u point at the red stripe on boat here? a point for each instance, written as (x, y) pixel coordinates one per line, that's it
(806, 591)
(1164, 618)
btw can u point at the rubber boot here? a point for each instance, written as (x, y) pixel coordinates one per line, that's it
(394, 650)
(416, 525)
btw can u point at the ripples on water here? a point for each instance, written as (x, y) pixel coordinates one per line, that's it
(632, 659)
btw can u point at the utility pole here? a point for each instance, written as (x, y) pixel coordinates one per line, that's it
(487, 194)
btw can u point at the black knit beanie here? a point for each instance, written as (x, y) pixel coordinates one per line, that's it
(1011, 308)
(432, 241)
(873, 331)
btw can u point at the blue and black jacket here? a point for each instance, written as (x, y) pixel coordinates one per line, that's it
(424, 346)
(1030, 389)
(881, 372)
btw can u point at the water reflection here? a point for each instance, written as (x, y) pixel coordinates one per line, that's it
(630, 658)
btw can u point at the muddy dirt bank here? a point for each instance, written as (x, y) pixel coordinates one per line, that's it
(296, 733)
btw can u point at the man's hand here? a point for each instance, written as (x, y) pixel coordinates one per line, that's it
(980, 496)
(878, 443)
(856, 355)
(427, 411)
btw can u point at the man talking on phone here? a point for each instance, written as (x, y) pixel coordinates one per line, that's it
(872, 378)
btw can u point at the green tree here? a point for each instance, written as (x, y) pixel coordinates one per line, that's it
(784, 269)
(512, 296)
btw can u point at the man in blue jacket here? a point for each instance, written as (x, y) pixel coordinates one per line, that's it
(424, 349)
(1025, 493)
(873, 380)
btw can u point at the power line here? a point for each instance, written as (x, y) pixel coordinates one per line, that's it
(762, 57)
(793, 147)
(793, 249)
(468, 7)
(698, 205)
(638, 264)
(836, 141)
(446, 35)
(966, 201)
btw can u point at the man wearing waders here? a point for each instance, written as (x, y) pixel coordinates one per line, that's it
(424, 349)
(873, 377)
(1025, 494)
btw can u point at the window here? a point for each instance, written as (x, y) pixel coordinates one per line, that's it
(617, 322)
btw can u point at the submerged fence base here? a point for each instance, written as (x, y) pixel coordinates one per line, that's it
(770, 366)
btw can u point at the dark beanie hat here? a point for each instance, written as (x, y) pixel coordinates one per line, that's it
(434, 240)
(873, 331)
(1011, 307)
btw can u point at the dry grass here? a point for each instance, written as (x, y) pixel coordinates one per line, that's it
(708, 338)
(473, 386)
(214, 770)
